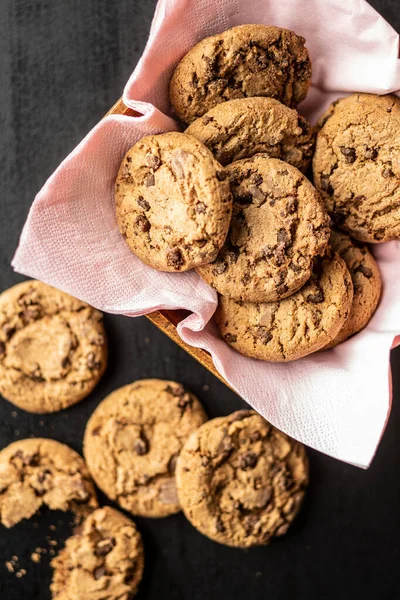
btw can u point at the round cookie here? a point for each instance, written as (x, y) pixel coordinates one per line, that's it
(103, 560)
(245, 61)
(356, 165)
(296, 326)
(279, 225)
(241, 482)
(39, 472)
(132, 441)
(173, 202)
(53, 348)
(239, 129)
(366, 283)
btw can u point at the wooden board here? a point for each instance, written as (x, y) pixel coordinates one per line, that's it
(167, 320)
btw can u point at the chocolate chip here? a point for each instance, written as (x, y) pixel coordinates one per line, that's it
(143, 223)
(2, 349)
(96, 431)
(185, 401)
(263, 335)
(200, 208)
(316, 298)
(65, 362)
(282, 530)
(178, 162)
(348, 153)
(250, 522)
(153, 161)
(219, 268)
(282, 289)
(284, 238)
(177, 390)
(256, 193)
(244, 199)
(370, 153)
(91, 362)
(219, 526)
(149, 180)
(175, 258)
(207, 119)
(140, 446)
(325, 183)
(142, 203)
(172, 463)
(205, 461)
(230, 338)
(248, 461)
(104, 547)
(31, 313)
(257, 179)
(99, 572)
(291, 205)
(366, 271)
(387, 173)
(8, 330)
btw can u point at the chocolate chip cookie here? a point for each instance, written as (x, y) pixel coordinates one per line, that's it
(104, 560)
(132, 442)
(245, 61)
(241, 482)
(296, 326)
(39, 472)
(279, 225)
(366, 283)
(173, 202)
(239, 129)
(53, 348)
(356, 165)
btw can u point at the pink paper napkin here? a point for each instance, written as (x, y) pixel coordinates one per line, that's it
(336, 401)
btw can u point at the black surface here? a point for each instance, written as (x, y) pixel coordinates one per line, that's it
(62, 65)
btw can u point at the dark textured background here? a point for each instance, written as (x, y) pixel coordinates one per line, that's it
(62, 65)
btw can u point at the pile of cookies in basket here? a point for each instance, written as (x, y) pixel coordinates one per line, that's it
(275, 215)
(148, 446)
(234, 197)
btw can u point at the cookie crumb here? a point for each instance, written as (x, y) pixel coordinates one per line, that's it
(36, 557)
(14, 414)
(20, 573)
(10, 566)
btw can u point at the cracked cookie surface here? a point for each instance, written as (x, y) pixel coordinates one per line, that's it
(39, 472)
(241, 482)
(279, 225)
(53, 348)
(132, 442)
(366, 283)
(104, 560)
(296, 326)
(173, 202)
(239, 129)
(245, 61)
(356, 165)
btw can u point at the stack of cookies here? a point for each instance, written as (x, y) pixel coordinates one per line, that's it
(235, 198)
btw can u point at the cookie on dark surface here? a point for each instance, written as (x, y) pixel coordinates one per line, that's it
(132, 441)
(104, 560)
(356, 165)
(279, 225)
(366, 279)
(173, 203)
(37, 472)
(296, 326)
(53, 348)
(239, 129)
(245, 61)
(241, 482)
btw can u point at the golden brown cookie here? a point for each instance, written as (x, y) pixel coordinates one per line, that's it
(39, 472)
(356, 165)
(173, 203)
(279, 225)
(241, 482)
(296, 326)
(103, 560)
(53, 348)
(245, 61)
(132, 441)
(239, 129)
(366, 283)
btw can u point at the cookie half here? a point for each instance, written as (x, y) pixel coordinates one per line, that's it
(133, 439)
(241, 482)
(367, 283)
(173, 202)
(245, 61)
(239, 129)
(356, 165)
(103, 560)
(296, 326)
(279, 225)
(39, 472)
(53, 348)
